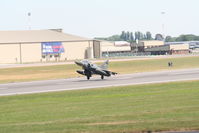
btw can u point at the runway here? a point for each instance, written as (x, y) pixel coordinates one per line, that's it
(96, 82)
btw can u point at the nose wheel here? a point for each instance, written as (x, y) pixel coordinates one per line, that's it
(102, 76)
(88, 74)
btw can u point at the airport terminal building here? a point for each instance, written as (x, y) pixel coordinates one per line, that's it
(45, 45)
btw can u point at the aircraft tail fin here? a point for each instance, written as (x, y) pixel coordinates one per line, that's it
(105, 65)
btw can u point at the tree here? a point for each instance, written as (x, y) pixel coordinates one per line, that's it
(131, 37)
(127, 36)
(148, 35)
(140, 35)
(159, 37)
(123, 35)
(114, 38)
(188, 37)
(136, 35)
(168, 39)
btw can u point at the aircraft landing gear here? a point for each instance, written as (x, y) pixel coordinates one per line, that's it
(102, 76)
(88, 74)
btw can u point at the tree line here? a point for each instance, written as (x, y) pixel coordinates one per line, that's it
(188, 37)
(129, 36)
(133, 36)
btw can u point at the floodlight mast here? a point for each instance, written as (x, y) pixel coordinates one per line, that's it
(163, 25)
(29, 20)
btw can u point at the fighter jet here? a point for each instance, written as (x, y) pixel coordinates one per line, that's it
(89, 69)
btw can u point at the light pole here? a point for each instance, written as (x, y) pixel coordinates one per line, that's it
(29, 20)
(163, 26)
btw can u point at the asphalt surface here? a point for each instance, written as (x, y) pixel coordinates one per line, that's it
(96, 82)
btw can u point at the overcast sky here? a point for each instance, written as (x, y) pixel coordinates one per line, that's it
(102, 18)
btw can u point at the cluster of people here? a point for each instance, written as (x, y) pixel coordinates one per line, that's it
(170, 64)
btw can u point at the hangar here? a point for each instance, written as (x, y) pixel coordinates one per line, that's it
(45, 45)
(155, 47)
(169, 49)
(113, 49)
(142, 45)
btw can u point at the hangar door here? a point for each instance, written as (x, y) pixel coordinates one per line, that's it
(96, 49)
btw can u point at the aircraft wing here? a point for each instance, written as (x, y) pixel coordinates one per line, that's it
(110, 73)
(113, 73)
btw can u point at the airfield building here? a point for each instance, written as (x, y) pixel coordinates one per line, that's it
(45, 45)
(114, 49)
(155, 47)
(142, 45)
(169, 49)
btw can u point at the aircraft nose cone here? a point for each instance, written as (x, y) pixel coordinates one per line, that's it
(78, 63)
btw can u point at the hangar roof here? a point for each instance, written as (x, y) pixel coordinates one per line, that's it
(35, 36)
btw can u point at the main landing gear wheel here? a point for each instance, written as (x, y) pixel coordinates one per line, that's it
(88, 77)
(102, 76)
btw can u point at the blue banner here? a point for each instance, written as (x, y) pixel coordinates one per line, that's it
(52, 48)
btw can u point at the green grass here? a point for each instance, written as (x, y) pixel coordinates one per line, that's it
(154, 64)
(67, 71)
(155, 107)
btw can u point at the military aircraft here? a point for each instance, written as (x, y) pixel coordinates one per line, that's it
(89, 69)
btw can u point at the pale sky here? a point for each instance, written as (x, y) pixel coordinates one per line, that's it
(102, 18)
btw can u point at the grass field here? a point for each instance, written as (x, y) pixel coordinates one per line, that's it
(154, 107)
(66, 71)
